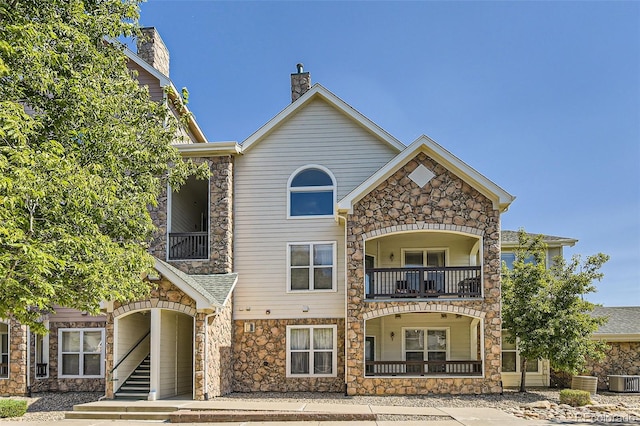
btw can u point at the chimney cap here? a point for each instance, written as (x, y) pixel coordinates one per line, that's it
(300, 67)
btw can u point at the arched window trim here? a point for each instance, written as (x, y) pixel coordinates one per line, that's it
(290, 189)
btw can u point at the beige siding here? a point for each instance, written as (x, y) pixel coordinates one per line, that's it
(146, 79)
(318, 134)
(131, 328)
(168, 354)
(390, 349)
(184, 364)
(73, 315)
(459, 248)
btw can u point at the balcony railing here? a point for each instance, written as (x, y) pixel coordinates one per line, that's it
(423, 282)
(423, 368)
(42, 370)
(188, 245)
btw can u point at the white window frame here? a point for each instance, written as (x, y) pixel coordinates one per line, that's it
(8, 353)
(334, 351)
(333, 188)
(81, 353)
(426, 346)
(425, 251)
(334, 275)
(518, 361)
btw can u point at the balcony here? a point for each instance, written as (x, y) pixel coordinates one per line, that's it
(423, 368)
(188, 245)
(423, 282)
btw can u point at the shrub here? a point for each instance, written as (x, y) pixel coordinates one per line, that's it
(574, 397)
(12, 407)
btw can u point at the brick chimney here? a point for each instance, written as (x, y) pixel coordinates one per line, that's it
(152, 49)
(300, 83)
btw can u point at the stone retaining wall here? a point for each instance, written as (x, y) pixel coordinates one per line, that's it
(260, 358)
(445, 203)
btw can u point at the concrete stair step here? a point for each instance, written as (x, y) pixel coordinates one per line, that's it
(226, 416)
(116, 415)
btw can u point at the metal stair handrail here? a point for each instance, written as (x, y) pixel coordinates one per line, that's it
(130, 351)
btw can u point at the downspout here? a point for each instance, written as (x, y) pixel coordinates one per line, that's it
(346, 327)
(205, 382)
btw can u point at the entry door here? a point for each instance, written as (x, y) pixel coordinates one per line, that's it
(369, 353)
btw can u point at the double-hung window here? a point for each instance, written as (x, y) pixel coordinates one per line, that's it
(81, 352)
(311, 351)
(511, 358)
(311, 266)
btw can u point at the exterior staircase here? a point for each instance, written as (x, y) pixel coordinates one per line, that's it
(138, 384)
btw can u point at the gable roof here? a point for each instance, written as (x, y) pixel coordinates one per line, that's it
(501, 198)
(317, 91)
(207, 290)
(510, 239)
(623, 323)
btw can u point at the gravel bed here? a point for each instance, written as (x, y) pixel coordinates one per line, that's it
(51, 406)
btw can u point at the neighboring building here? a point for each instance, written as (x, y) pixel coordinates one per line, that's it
(537, 370)
(622, 356)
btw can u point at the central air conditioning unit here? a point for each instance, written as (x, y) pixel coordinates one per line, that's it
(624, 383)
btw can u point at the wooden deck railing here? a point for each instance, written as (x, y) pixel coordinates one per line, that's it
(423, 368)
(188, 245)
(423, 282)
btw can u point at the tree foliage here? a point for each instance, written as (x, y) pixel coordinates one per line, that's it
(544, 308)
(84, 152)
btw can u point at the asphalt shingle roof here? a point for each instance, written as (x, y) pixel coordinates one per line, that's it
(215, 287)
(511, 237)
(622, 319)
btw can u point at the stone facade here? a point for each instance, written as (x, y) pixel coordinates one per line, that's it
(621, 358)
(300, 83)
(53, 383)
(16, 383)
(153, 51)
(214, 354)
(260, 358)
(445, 203)
(220, 222)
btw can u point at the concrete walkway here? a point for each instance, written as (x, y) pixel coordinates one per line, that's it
(459, 416)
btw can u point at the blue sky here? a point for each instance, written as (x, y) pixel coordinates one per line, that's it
(541, 97)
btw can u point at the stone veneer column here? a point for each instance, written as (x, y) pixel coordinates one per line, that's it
(300, 83)
(16, 383)
(399, 205)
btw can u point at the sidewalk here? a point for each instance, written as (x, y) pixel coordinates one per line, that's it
(459, 416)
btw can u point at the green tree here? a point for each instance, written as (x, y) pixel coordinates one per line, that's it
(84, 153)
(544, 308)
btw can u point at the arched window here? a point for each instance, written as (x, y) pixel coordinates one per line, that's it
(311, 192)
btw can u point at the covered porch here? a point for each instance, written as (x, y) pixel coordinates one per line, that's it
(423, 345)
(423, 264)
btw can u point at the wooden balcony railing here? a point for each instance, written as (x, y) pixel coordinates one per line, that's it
(423, 368)
(423, 282)
(188, 245)
(42, 370)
